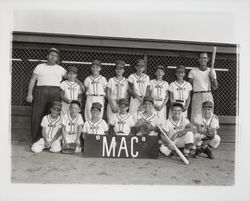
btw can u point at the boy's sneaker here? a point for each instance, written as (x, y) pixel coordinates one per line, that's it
(208, 152)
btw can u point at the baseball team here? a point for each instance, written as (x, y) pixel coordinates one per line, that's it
(135, 106)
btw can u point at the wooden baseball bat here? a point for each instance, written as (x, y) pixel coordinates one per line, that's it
(213, 57)
(183, 158)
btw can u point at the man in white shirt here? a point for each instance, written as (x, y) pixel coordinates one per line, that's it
(46, 77)
(203, 80)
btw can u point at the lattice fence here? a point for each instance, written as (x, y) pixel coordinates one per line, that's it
(26, 56)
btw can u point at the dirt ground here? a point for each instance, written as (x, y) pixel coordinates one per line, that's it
(46, 167)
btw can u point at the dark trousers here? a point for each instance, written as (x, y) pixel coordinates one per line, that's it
(43, 97)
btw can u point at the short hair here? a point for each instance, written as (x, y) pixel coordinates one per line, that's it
(76, 102)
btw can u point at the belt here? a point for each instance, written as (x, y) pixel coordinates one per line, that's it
(43, 86)
(199, 92)
(93, 95)
(180, 101)
(158, 99)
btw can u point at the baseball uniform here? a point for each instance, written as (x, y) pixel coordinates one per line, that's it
(153, 119)
(140, 85)
(159, 91)
(71, 91)
(211, 123)
(172, 127)
(123, 123)
(51, 128)
(119, 90)
(71, 126)
(201, 90)
(97, 128)
(95, 93)
(181, 92)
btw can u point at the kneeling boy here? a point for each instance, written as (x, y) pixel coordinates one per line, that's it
(72, 125)
(206, 137)
(95, 125)
(179, 130)
(123, 121)
(51, 130)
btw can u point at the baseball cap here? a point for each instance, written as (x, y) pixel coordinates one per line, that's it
(73, 69)
(76, 102)
(120, 64)
(180, 68)
(56, 105)
(123, 101)
(207, 104)
(53, 50)
(160, 67)
(97, 106)
(140, 62)
(148, 98)
(96, 62)
(177, 104)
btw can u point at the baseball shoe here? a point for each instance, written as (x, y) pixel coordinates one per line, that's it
(208, 152)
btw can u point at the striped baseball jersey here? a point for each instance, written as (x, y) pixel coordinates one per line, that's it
(72, 124)
(123, 123)
(97, 128)
(180, 92)
(95, 86)
(51, 125)
(118, 88)
(172, 127)
(71, 89)
(140, 83)
(159, 89)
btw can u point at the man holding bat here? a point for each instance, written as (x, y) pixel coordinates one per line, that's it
(179, 130)
(204, 80)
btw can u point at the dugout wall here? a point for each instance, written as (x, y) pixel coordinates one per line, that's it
(30, 49)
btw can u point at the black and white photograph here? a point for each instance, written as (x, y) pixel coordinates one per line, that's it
(134, 97)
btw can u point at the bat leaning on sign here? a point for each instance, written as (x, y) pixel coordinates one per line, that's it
(183, 158)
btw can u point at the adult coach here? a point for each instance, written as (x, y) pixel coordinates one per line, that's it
(47, 78)
(203, 80)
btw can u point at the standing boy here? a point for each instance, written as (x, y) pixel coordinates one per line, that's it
(139, 84)
(70, 89)
(95, 125)
(203, 80)
(179, 130)
(123, 121)
(180, 90)
(95, 86)
(116, 89)
(51, 130)
(147, 120)
(207, 124)
(159, 92)
(72, 125)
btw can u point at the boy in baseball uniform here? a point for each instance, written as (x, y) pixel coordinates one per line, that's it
(207, 124)
(203, 80)
(148, 120)
(95, 86)
(179, 90)
(139, 84)
(95, 125)
(72, 125)
(159, 92)
(70, 89)
(51, 130)
(179, 130)
(116, 89)
(123, 121)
